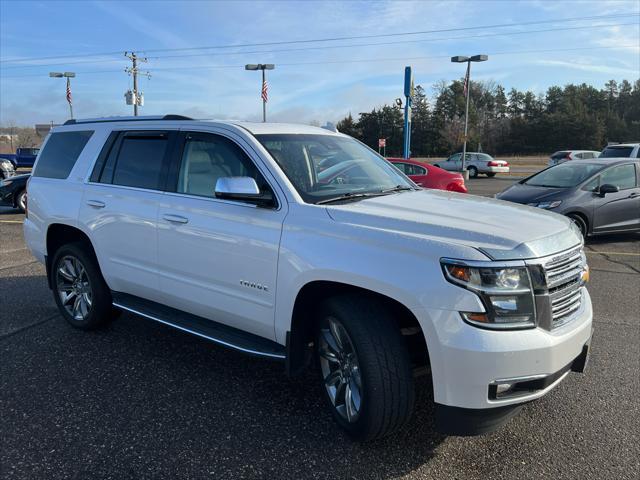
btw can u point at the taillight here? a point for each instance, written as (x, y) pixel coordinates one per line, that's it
(457, 187)
(493, 164)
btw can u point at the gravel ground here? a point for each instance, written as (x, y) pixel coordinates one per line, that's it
(140, 400)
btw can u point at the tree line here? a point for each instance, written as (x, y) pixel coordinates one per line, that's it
(505, 123)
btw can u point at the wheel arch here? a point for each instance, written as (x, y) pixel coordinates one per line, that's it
(59, 234)
(300, 336)
(583, 216)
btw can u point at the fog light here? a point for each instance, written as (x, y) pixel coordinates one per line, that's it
(503, 388)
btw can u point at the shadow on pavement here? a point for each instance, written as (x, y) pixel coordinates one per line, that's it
(138, 398)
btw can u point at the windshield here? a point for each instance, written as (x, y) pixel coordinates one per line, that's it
(613, 152)
(323, 167)
(564, 175)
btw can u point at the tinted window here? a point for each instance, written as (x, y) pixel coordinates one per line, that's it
(559, 155)
(568, 174)
(206, 158)
(612, 152)
(60, 154)
(401, 166)
(411, 169)
(139, 161)
(622, 176)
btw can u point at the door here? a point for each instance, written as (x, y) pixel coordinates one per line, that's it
(120, 209)
(453, 163)
(218, 258)
(619, 210)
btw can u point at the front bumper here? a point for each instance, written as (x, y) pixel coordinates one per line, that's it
(466, 360)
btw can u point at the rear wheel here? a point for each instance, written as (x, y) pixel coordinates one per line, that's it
(21, 200)
(365, 367)
(80, 292)
(473, 172)
(580, 223)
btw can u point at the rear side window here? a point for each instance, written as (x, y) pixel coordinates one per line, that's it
(133, 159)
(559, 155)
(622, 176)
(61, 153)
(613, 152)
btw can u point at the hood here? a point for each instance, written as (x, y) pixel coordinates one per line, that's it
(501, 230)
(523, 193)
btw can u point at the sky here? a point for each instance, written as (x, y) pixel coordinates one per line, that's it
(313, 81)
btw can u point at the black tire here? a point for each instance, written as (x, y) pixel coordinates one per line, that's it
(491, 175)
(473, 172)
(386, 388)
(21, 200)
(100, 310)
(580, 223)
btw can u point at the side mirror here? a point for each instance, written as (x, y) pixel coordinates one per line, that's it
(608, 188)
(244, 189)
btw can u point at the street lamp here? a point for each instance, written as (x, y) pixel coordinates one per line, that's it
(263, 94)
(68, 76)
(467, 84)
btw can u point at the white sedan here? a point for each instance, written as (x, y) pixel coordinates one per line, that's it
(475, 163)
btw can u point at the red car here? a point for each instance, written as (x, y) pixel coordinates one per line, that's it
(428, 176)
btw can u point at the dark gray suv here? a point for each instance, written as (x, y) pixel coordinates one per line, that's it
(600, 196)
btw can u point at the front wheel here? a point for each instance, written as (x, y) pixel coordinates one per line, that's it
(365, 367)
(473, 172)
(580, 223)
(21, 201)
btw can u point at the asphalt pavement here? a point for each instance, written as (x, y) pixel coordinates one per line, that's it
(141, 400)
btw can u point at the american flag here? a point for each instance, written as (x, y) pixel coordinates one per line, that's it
(265, 91)
(69, 91)
(465, 87)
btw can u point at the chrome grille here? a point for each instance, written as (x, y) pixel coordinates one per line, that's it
(563, 275)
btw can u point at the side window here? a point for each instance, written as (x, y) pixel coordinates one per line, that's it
(402, 167)
(591, 186)
(455, 158)
(61, 153)
(137, 161)
(208, 157)
(419, 170)
(579, 156)
(622, 176)
(411, 169)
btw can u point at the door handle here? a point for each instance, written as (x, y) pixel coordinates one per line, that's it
(96, 203)
(634, 195)
(175, 218)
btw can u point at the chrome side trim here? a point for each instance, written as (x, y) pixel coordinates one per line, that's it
(215, 340)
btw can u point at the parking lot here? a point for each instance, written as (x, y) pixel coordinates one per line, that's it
(141, 400)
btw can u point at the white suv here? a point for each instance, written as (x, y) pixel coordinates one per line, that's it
(230, 231)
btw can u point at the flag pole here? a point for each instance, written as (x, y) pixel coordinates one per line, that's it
(69, 97)
(466, 114)
(264, 102)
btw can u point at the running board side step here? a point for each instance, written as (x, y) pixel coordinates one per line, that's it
(216, 332)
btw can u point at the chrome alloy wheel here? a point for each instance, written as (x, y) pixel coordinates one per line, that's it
(74, 289)
(340, 370)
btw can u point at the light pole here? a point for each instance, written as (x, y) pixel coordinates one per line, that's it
(68, 76)
(467, 92)
(264, 91)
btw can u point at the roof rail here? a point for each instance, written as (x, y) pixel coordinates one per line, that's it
(127, 119)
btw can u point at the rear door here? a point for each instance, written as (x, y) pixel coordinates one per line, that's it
(120, 208)
(453, 163)
(620, 210)
(218, 258)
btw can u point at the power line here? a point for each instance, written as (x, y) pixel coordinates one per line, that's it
(334, 46)
(333, 39)
(330, 62)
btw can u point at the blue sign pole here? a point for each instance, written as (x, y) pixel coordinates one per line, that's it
(408, 93)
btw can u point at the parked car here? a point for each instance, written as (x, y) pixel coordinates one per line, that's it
(430, 176)
(222, 229)
(6, 169)
(23, 158)
(13, 191)
(621, 150)
(600, 196)
(566, 155)
(475, 163)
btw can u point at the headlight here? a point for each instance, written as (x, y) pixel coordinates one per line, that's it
(505, 292)
(5, 183)
(546, 205)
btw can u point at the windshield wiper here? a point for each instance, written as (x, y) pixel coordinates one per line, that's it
(350, 196)
(397, 188)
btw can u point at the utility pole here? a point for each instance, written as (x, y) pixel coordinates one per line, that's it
(136, 97)
(264, 91)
